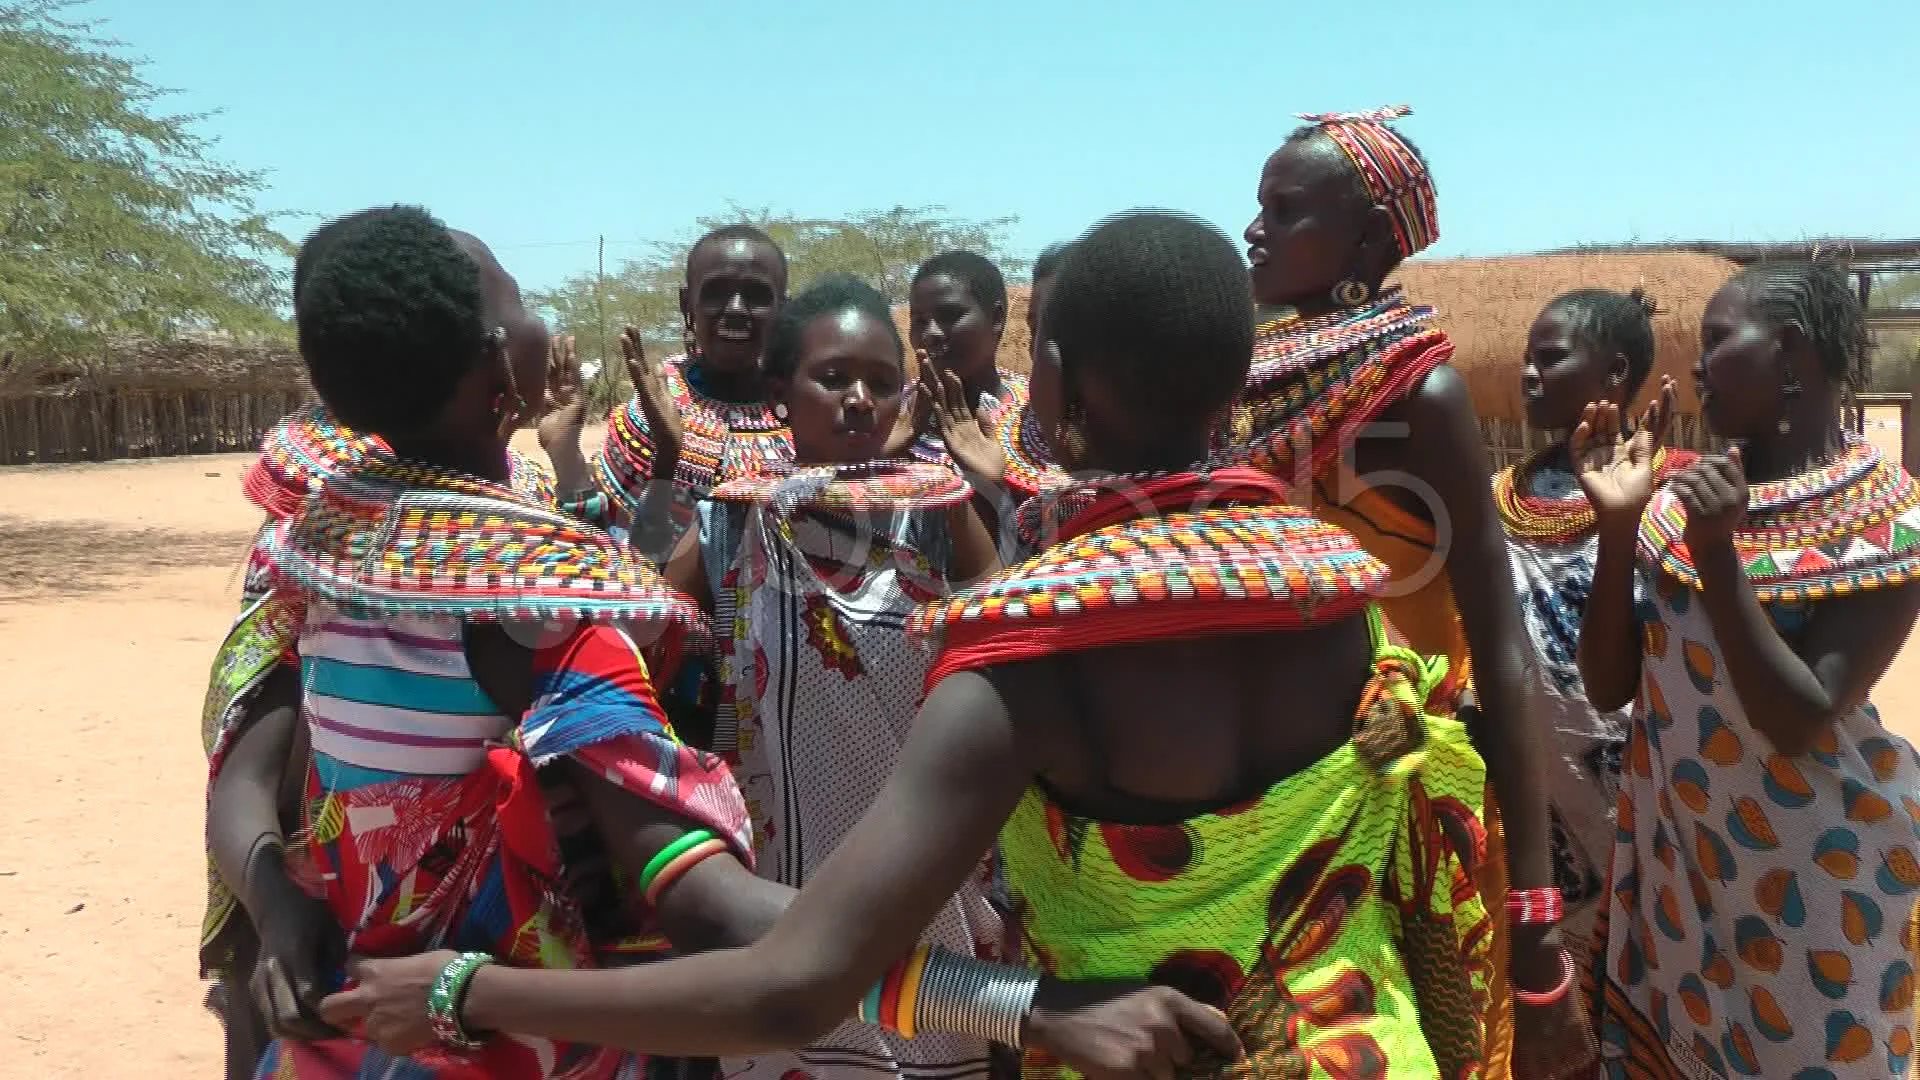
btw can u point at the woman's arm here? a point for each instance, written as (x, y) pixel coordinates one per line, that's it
(1444, 451)
(1609, 633)
(718, 904)
(959, 777)
(1793, 698)
(686, 568)
(243, 811)
(974, 554)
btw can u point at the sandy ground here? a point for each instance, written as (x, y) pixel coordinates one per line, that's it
(124, 577)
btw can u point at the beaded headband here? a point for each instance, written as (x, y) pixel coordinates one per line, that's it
(1392, 172)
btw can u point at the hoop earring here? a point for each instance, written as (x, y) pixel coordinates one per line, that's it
(780, 410)
(1351, 293)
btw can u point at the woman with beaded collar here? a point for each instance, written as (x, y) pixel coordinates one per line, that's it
(1346, 941)
(1760, 915)
(1586, 345)
(1351, 403)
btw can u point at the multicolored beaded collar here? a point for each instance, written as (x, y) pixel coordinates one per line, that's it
(307, 449)
(1138, 565)
(1542, 519)
(1847, 527)
(393, 537)
(1030, 466)
(719, 441)
(865, 487)
(1316, 382)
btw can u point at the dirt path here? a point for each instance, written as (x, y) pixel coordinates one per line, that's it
(121, 580)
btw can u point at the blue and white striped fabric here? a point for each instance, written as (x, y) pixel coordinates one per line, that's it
(393, 695)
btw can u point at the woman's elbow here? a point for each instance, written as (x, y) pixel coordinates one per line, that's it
(798, 1014)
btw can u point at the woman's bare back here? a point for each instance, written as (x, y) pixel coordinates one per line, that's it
(1164, 730)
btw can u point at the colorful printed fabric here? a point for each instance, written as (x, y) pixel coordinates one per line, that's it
(261, 639)
(302, 452)
(720, 440)
(1851, 526)
(401, 538)
(423, 857)
(1334, 919)
(1392, 171)
(1317, 382)
(1758, 916)
(1347, 941)
(813, 571)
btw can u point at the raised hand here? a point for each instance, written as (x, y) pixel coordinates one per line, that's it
(968, 434)
(656, 400)
(1714, 492)
(563, 415)
(1615, 469)
(915, 413)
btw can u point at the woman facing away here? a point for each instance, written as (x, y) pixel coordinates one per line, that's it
(1587, 345)
(254, 670)
(1342, 933)
(484, 740)
(1758, 919)
(810, 571)
(1350, 399)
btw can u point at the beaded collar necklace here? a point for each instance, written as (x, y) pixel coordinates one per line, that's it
(1543, 519)
(1849, 526)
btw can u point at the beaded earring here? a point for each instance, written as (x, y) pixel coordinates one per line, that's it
(780, 410)
(690, 343)
(1351, 293)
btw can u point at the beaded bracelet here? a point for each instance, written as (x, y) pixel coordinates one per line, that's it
(679, 847)
(447, 995)
(1553, 996)
(1535, 907)
(934, 990)
(682, 863)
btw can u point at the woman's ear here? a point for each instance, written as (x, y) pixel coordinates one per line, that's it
(998, 318)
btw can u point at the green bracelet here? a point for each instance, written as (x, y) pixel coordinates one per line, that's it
(668, 854)
(445, 997)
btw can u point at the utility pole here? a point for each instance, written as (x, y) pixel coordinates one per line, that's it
(600, 306)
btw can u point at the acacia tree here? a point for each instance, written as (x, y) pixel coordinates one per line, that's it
(114, 218)
(882, 246)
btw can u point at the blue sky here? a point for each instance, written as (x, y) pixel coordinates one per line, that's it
(540, 126)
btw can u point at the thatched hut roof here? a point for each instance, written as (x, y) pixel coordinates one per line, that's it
(1013, 343)
(1487, 306)
(197, 361)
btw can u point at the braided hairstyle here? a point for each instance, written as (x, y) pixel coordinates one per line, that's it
(1159, 305)
(830, 294)
(1613, 323)
(391, 316)
(982, 279)
(1817, 298)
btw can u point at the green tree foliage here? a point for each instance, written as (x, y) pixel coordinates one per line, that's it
(882, 246)
(114, 218)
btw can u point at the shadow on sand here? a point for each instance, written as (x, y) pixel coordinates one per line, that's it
(45, 560)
